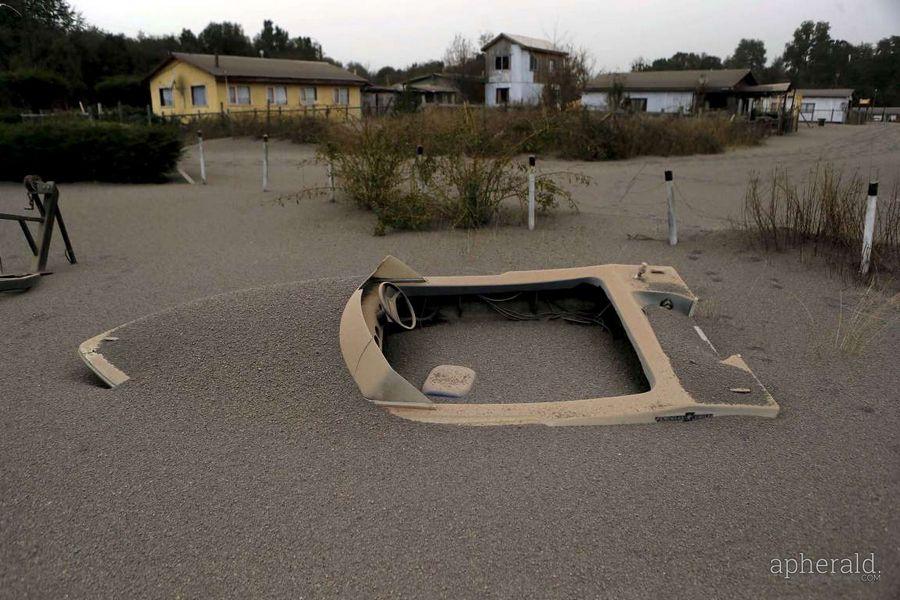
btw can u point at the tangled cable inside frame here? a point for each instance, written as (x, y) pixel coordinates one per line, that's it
(555, 312)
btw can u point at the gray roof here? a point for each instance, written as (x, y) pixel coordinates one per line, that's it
(526, 42)
(767, 88)
(826, 93)
(270, 69)
(714, 79)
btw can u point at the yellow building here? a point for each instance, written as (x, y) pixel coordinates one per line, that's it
(191, 84)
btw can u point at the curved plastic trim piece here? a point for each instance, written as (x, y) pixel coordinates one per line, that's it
(89, 351)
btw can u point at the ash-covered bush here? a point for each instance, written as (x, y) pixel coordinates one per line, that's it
(79, 150)
(468, 184)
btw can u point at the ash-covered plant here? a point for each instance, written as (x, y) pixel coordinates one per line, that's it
(471, 186)
(825, 212)
(467, 185)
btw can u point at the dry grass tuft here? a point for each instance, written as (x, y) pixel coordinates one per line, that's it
(863, 324)
(825, 212)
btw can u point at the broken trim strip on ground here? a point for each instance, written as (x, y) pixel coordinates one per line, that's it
(630, 289)
(89, 351)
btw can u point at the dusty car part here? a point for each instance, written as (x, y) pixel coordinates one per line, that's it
(48, 208)
(687, 378)
(89, 351)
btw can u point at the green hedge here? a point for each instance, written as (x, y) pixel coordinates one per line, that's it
(77, 150)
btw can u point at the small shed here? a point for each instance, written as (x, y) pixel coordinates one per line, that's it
(829, 104)
(379, 99)
(435, 88)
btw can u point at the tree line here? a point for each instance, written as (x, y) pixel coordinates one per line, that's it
(49, 57)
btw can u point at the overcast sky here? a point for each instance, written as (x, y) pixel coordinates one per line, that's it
(398, 32)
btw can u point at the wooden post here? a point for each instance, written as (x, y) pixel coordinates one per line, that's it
(51, 198)
(531, 192)
(670, 201)
(149, 115)
(265, 163)
(869, 227)
(202, 158)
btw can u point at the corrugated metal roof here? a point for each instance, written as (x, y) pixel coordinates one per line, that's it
(826, 93)
(713, 79)
(251, 67)
(526, 42)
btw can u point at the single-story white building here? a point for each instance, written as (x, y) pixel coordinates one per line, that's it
(684, 91)
(517, 68)
(828, 104)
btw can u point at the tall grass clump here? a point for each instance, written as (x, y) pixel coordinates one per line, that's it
(79, 150)
(824, 212)
(865, 322)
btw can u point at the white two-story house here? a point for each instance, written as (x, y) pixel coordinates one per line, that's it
(517, 68)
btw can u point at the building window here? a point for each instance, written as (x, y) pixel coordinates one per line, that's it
(342, 96)
(165, 97)
(636, 104)
(552, 65)
(198, 95)
(502, 95)
(276, 94)
(532, 62)
(239, 94)
(808, 107)
(501, 63)
(308, 95)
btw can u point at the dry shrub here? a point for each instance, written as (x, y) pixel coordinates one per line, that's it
(294, 126)
(826, 212)
(589, 135)
(466, 185)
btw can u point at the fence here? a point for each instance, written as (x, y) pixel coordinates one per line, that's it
(878, 114)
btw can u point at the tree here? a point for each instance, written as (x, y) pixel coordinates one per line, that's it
(225, 38)
(359, 69)
(306, 48)
(567, 80)
(130, 90)
(749, 54)
(272, 41)
(188, 41)
(809, 56)
(459, 53)
(639, 64)
(683, 61)
(33, 89)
